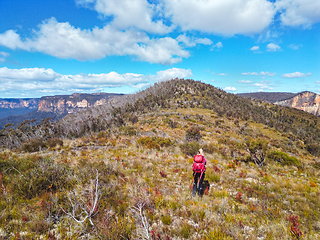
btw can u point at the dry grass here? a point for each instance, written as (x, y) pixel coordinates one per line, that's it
(161, 179)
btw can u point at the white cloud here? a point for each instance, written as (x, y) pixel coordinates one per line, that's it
(226, 17)
(250, 73)
(39, 81)
(295, 75)
(129, 22)
(244, 81)
(223, 74)
(12, 40)
(297, 13)
(271, 47)
(39, 74)
(3, 56)
(269, 74)
(172, 73)
(217, 45)
(128, 13)
(65, 41)
(230, 88)
(262, 73)
(263, 85)
(295, 46)
(191, 42)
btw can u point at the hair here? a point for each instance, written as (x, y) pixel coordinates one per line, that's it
(200, 151)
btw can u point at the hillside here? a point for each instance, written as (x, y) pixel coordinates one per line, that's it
(123, 170)
(271, 97)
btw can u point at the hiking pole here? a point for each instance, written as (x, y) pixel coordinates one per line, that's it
(194, 174)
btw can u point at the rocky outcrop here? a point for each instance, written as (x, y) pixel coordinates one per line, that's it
(65, 104)
(306, 101)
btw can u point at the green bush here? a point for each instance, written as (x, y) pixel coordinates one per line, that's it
(52, 142)
(209, 149)
(185, 230)
(190, 149)
(283, 158)
(34, 145)
(155, 142)
(128, 130)
(166, 219)
(43, 175)
(212, 176)
(102, 134)
(198, 215)
(193, 134)
(133, 118)
(313, 149)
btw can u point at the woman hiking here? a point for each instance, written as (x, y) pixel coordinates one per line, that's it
(199, 169)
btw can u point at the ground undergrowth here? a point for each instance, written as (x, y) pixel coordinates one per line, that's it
(133, 182)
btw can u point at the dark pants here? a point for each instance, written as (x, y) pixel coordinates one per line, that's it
(197, 188)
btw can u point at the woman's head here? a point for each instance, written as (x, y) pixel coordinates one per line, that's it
(200, 152)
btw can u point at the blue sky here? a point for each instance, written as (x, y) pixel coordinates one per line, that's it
(56, 47)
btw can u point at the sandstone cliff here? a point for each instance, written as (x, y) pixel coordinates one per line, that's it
(17, 110)
(19, 103)
(65, 104)
(306, 101)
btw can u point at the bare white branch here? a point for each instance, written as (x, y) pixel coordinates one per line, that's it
(84, 203)
(143, 229)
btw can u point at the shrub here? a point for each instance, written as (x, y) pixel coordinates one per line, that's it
(212, 176)
(198, 215)
(257, 149)
(313, 149)
(283, 158)
(209, 148)
(172, 123)
(102, 134)
(185, 230)
(193, 134)
(155, 142)
(166, 219)
(128, 130)
(52, 142)
(44, 175)
(190, 149)
(133, 118)
(34, 145)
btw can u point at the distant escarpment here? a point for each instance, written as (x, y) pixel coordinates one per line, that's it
(67, 104)
(31, 103)
(9, 107)
(306, 101)
(15, 111)
(270, 97)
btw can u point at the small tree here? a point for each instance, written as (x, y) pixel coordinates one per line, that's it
(257, 150)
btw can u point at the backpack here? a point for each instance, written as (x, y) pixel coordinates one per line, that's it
(198, 164)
